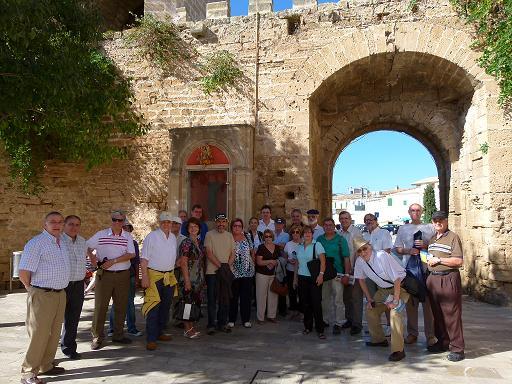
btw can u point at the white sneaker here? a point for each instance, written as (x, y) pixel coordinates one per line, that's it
(247, 324)
(387, 330)
(231, 325)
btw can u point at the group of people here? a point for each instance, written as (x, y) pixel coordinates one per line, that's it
(317, 272)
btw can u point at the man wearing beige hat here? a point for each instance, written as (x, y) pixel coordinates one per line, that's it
(157, 265)
(387, 273)
(114, 250)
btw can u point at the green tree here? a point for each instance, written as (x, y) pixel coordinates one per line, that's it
(429, 203)
(60, 96)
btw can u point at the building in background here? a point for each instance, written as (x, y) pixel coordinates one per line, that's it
(389, 206)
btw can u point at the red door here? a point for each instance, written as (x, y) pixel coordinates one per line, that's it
(209, 188)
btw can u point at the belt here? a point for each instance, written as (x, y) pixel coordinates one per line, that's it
(156, 270)
(124, 270)
(46, 289)
(443, 273)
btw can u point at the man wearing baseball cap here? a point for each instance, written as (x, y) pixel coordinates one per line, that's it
(114, 250)
(219, 250)
(157, 265)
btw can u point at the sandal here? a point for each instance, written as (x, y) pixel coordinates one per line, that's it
(191, 333)
(306, 332)
(321, 336)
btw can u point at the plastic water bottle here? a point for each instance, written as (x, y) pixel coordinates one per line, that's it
(401, 304)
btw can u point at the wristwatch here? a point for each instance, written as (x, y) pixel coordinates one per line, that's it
(321, 272)
(395, 302)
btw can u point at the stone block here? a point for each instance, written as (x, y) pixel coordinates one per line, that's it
(260, 6)
(300, 4)
(218, 10)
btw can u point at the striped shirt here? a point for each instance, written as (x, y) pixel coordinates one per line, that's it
(110, 246)
(47, 261)
(447, 245)
(77, 254)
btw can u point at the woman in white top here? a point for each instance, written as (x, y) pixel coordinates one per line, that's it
(290, 252)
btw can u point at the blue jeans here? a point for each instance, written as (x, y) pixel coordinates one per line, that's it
(130, 310)
(157, 318)
(221, 313)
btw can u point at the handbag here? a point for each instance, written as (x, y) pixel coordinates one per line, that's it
(314, 267)
(186, 310)
(409, 283)
(280, 288)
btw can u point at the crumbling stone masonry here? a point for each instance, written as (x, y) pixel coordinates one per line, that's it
(315, 78)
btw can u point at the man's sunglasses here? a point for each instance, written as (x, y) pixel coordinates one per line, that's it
(114, 220)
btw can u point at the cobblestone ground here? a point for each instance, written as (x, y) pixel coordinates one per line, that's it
(268, 353)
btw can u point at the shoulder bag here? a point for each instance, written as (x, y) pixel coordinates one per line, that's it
(186, 310)
(314, 267)
(409, 283)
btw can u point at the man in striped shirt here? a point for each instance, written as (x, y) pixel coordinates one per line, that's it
(114, 249)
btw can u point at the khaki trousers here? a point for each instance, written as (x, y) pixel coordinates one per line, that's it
(332, 300)
(115, 285)
(265, 298)
(45, 314)
(397, 319)
(412, 318)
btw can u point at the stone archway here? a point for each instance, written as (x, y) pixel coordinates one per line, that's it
(421, 79)
(419, 94)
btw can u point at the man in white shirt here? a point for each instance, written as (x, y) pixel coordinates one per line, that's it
(313, 223)
(352, 293)
(77, 252)
(406, 245)
(379, 238)
(114, 249)
(387, 273)
(157, 265)
(266, 221)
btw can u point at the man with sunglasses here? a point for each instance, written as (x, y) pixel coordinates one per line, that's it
(114, 250)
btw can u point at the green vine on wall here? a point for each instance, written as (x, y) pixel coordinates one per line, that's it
(221, 70)
(493, 23)
(161, 43)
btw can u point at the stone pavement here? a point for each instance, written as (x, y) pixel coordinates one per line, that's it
(269, 354)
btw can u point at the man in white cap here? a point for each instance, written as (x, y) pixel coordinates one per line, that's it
(114, 250)
(176, 224)
(157, 265)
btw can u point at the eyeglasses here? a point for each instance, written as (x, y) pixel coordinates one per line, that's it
(295, 232)
(114, 220)
(237, 225)
(369, 220)
(362, 249)
(267, 236)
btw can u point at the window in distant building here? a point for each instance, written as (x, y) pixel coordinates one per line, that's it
(390, 202)
(405, 202)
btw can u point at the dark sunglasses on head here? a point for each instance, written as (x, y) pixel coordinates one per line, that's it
(114, 220)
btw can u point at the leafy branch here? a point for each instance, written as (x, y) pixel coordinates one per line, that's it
(493, 23)
(62, 97)
(221, 70)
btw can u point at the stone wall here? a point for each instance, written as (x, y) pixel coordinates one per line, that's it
(315, 78)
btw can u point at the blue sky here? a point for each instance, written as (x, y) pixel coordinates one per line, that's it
(375, 160)
(240, 7)
(382, 160)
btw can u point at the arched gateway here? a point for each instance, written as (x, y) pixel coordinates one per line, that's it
(315, 78)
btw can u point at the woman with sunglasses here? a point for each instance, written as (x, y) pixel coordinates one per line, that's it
(243, 269)
(290, 251)
(387, 273)
(267, 257)
(310, 291)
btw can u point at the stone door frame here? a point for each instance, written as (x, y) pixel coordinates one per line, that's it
(236, 141)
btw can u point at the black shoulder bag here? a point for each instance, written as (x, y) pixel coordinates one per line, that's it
(409, 283)
(314, 267)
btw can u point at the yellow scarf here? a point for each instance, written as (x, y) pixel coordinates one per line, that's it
(151, 295)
